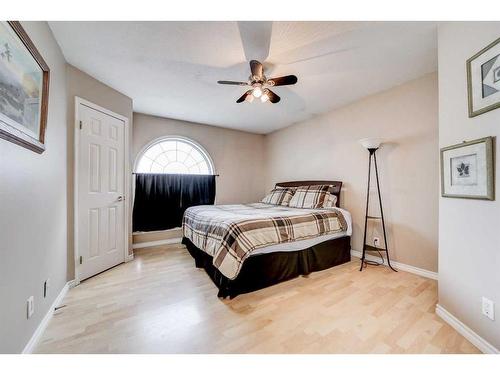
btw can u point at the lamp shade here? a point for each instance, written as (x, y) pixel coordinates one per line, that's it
(371, 143)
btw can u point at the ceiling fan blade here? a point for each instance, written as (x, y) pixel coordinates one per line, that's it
(242, 98)
(256, 68)
(232, 83)
(273, 98)
(282, 81)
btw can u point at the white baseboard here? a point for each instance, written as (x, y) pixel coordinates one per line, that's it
(30, 346)
(399, 266)
(73, 283)
(476, 340)
(169, 241)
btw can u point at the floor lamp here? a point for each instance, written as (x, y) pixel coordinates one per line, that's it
(372, 145)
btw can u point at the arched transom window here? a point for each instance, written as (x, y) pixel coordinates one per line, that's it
(175, 155)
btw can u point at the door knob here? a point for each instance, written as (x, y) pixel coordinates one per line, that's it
(120, 198)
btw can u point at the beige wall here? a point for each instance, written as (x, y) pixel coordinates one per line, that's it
(33, 211)
(469, 235)
(238, 156)
(84, 86)
(327, 147)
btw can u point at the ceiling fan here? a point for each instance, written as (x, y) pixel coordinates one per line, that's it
(260, 84)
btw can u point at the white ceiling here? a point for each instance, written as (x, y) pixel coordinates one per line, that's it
(170, 69)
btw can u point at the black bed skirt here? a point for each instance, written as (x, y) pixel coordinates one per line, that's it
(264, 270)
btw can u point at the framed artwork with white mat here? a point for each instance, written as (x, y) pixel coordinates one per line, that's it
(467, 170)
(483, 80)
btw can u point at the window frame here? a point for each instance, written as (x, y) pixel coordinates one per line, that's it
(177, 138)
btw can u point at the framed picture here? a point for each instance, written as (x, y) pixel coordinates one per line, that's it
(467, 170)
(24, 88)
(483, 80)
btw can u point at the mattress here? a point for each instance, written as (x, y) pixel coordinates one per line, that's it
(304, 244)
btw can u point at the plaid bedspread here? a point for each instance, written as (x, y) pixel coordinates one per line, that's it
(229, 233)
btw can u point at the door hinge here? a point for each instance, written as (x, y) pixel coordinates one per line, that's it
(81, 259)
(81, 124)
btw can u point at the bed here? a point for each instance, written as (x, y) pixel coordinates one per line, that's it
(244, 248)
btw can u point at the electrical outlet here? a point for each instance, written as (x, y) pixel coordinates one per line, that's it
(30, 307)
(376, 241)
(488, 308)
(46, 286)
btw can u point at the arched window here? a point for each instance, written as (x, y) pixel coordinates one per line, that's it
(174, 155)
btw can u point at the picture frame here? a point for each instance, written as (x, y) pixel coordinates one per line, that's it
(467, 170)
(24, 88)
(483, 80)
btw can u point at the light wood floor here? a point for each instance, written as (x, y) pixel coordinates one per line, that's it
(160, 303)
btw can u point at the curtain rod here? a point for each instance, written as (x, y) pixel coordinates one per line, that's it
(216, 175)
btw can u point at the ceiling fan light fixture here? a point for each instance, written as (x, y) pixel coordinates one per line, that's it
(265, 96)
(257, 92)
(249, 98)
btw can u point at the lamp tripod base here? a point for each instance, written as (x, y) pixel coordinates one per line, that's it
(365, 263)
(366, 247)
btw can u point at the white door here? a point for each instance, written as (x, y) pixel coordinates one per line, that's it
(101, 191)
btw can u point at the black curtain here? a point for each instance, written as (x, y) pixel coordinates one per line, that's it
(161, 199)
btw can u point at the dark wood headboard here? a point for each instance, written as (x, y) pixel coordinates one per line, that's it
(336, 186)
